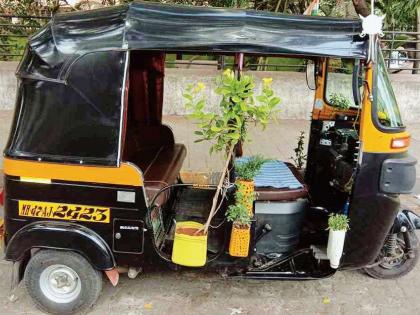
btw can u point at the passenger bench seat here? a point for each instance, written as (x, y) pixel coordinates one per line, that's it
(161, 167)
(153, 149)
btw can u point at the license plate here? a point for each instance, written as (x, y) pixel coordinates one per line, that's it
(64, 211)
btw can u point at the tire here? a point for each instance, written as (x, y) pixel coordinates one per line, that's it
(62, 282)
(400, 269)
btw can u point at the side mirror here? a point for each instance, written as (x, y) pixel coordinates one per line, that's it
(357, 83)
(311, 73)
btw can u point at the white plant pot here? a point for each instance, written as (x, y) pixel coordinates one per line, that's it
(335, 247)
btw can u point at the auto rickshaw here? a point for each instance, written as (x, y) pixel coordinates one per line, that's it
(92, 175)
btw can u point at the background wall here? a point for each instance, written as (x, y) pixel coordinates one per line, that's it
(297, 99)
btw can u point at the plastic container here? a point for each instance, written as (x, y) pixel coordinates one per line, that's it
(189, 250)
(239, 241)
(335, 247)
(285, 220)
(247, 189)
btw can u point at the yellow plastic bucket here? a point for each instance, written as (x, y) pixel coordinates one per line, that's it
(189, 249)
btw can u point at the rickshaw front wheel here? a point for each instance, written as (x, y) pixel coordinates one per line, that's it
(396, 260)
(62, 282)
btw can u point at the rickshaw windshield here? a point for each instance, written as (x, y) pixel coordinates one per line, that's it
(386, 107)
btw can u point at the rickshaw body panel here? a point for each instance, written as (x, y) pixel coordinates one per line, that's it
(374, 208)
(63, 208)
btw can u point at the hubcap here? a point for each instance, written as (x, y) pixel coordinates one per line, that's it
(60, 283)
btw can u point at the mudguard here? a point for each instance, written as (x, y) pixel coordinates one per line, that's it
(63, 236)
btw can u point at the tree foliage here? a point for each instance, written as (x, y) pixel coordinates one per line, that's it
(400, 14)
(238, 108)
(30, 7)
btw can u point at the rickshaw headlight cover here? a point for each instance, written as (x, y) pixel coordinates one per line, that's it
(400, 143)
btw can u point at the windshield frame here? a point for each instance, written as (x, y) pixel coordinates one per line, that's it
(353, 106)
(374, 112)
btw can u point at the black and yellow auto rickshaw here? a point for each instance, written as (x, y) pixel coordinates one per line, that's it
(92, 181)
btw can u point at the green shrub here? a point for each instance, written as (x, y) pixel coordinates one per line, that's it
(300, 157)
(338, 222)
(340, 101)
(247, 170)
(238, 214)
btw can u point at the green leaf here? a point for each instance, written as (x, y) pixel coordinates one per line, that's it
(274, 101)
(187, 96)
(262, 98)
(236, 99)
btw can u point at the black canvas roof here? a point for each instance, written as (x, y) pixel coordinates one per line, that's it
(144, 25)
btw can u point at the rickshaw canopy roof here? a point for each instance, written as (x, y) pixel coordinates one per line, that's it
(141, 25)
(74, 74)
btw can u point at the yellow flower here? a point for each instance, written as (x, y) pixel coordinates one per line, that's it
(200, 86)
(382, 115)
(228, 73)
(267, 81)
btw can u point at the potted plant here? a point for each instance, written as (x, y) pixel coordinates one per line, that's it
(240, 235)
(300, 157)
(228, 127)
(241, 213)
(246, 170)
(338, 224)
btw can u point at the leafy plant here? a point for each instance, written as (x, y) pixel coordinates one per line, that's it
(238, 214)
(238, 108)
(300, 157)
(248, 169)
(338, 222)
(339, 101)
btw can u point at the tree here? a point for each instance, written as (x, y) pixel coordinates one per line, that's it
(361, 7)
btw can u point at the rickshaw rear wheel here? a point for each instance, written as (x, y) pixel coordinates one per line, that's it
(62, 282)
(400, 263)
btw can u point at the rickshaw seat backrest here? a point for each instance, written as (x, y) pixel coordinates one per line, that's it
(141, 136)
(161, 167)
(152, 148)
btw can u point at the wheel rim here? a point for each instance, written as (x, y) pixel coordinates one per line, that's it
(60, 283)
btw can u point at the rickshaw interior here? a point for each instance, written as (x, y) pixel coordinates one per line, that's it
(299, 218)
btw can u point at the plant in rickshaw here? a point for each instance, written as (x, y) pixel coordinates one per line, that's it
(338, 224)
(300, 157)
(238, 108)
(245, 171)
(339, 102)
(241, 213)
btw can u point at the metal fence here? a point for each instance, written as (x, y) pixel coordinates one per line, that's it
(14, 33)
(401, 48)
(402, 51)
